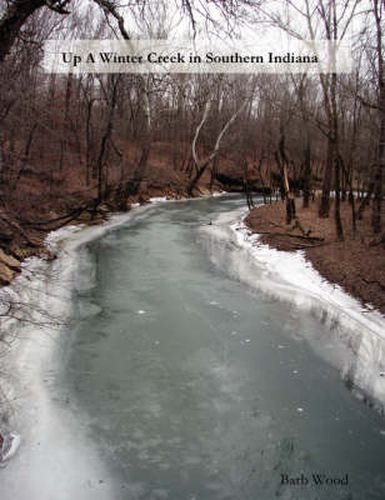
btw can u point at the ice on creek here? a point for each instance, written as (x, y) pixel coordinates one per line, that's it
(357, 336)
(54, 437)
(158, 199)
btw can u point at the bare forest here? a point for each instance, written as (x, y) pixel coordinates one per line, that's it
(73, 147)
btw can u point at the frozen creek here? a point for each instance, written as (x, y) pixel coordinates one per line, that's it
(177, 360)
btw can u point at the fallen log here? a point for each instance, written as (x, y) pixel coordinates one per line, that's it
(288, 235)
(62, 219)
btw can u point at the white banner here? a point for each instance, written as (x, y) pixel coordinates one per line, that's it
(163, 56)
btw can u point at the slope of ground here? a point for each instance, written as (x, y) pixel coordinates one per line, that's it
(357, 263)
(39, 196)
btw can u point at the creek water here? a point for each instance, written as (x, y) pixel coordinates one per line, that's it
(192, 384)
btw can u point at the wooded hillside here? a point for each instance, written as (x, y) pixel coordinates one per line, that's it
(73, 144)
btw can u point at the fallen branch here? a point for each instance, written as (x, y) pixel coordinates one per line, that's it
(299, 225)
(374, 282)
(379, 241)
(288, 235)
(63, 219)
(16, 228)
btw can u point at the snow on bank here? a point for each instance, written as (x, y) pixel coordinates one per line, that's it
(357, 335)
(302, 284)
(56, 459)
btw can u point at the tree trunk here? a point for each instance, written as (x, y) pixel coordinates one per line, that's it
(365, 200)
(380, 166)
(198, 174)
(101, 160)
(307, 175)
(285, 190)
(337, 203)
(327, 181)
(11, 22)
(353, 206)
(246, 187)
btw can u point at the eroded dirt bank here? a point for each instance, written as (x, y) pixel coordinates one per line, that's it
(23, 236)
(38, 204)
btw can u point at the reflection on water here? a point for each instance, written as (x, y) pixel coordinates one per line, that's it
(195, 385)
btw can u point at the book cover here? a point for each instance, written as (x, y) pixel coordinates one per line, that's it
(192, 249)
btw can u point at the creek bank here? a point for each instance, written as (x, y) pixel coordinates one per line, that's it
(182, 325)
(356, 264)
(20, 241)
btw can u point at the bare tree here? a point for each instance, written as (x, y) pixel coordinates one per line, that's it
(201, 164)
(379, 15)
(17, 13)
